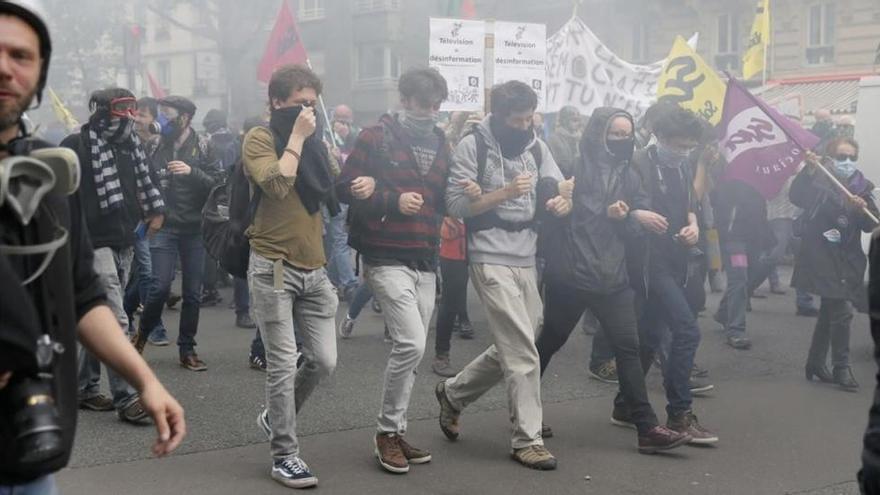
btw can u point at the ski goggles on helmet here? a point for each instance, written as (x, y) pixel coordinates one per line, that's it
(123, 107)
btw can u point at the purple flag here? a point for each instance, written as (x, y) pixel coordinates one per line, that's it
(763, 148)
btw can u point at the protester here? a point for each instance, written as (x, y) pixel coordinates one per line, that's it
(831, 263)
(290, 168)
(395, 182)
(146, 125)
(346, 132)
(187, 173)
(673, 232)
(869, 474)
(500, 199)
(589, 268)
(453, 315)
(565, 142)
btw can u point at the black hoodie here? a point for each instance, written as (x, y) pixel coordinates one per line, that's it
(589, 251)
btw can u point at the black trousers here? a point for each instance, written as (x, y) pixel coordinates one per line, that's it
(453, 303)
(616, 313)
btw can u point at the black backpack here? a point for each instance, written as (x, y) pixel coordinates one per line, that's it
(228, 212)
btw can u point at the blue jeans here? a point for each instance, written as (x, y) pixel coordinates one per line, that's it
(138, 287)
(667, 307)
(241, 295)
(362, 296)
(165, 247)
(40, 486)
(746, 271)
(339, 267)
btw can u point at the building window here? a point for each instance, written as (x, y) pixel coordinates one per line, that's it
(163, 73)
(377, 62)
(640, 43)
(821, 34)
(162, 32)
(727, 56)
(311, 10)
(366, 6)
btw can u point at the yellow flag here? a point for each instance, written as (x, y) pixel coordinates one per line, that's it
(687, 80)
(62, 113)
(753, 60)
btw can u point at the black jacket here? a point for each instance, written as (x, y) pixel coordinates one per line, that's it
(869, 476)
(115, 228)
(71, 288)
(185, 195)
(824, 267)
(741, 216)
(587, 250)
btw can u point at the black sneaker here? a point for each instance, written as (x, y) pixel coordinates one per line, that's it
(210, 298)
(466, 330)
(244, 320)
(687, 423)
(257, 362)
(546, 431)
(621, 417)
(698, 372)
(293, 473)
(808, 311)
(605, 372)
(740, 343)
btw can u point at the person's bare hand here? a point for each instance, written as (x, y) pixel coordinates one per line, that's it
(177, 167)
(812, 161)
(520, 186)
(559, 206)
(471, 189)
(618, 210)
(856, 203)
(5, 376)
(363, 187)
(689, 236)
(154, 224)
(168, 416)
(305, 124)
(566, 188)
(653, 222)
(410, 203)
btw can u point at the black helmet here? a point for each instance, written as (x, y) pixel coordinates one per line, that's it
(32, 12)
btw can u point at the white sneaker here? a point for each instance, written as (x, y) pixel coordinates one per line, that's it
(346, 326)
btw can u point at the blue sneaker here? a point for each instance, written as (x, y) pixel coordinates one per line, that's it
(293, 473)
(158, 338)
(263, 423)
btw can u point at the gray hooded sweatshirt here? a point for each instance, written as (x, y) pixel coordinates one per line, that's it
(497, 246)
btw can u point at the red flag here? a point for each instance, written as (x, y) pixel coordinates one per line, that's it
(155, 88)
(284, 47)
(468, 9)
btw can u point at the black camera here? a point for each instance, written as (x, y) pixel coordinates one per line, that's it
(36, 424)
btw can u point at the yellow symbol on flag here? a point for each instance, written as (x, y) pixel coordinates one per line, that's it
(62, 113)
(754, 61)
(687, 80)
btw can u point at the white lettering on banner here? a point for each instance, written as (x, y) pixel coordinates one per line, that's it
(584, 73)
(521, 55)
(753, 130)
(456, 50)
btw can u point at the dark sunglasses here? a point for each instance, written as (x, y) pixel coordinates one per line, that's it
(842, 157)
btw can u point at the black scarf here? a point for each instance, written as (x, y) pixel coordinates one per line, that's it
(513, 142)
(314, 182)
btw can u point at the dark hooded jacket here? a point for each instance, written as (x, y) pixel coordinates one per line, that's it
(587, 250)
(830, 262)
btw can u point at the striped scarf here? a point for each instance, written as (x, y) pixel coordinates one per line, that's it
(101, 132)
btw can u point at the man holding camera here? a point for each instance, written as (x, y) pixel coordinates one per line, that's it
(49, 304)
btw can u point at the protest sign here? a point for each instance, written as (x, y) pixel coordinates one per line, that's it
(762, 147)
(456, 50)
(521, 55)
(688, 81)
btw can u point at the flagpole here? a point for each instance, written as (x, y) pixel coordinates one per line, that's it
(333, 135)
(843, 188)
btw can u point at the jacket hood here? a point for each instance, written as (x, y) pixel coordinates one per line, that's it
(592, 144)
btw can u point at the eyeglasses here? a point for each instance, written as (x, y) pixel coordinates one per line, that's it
(842, 157)
(123, 107)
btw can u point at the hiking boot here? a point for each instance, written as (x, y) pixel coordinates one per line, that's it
(390, 454)
(535, 457)
(441, 366)
(257, 362)
(414, 455)
(546, 431)
(346, 326)
(172, 300)
(622, 417)
(466, 330)
(740, 343)
(661, 438)
(687, 423)
(99, 402)
(698, 386)
(448, 414)
(244, 320)
(605, 372)
(193, 363)
(134, 413)
(293, 473)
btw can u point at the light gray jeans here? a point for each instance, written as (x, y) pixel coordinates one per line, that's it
(407, 300)
(510, 296)
(112, 267)
(280, 294)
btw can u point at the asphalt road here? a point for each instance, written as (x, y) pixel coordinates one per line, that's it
(779, 433)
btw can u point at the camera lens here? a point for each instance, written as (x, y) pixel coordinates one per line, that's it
(37, 427)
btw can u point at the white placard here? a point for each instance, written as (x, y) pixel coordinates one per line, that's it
(457, 50)
(521, 55)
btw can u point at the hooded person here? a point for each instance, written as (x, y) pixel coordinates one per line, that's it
(588, 269)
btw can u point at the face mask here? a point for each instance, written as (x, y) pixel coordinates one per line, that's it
(172, 129)
(513, 141)
(419, 123)
(845, 168)
(621, 149)
(669, 157)
(119, 130)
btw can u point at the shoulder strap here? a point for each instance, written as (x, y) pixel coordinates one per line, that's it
(482, 156)
(537, 154)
